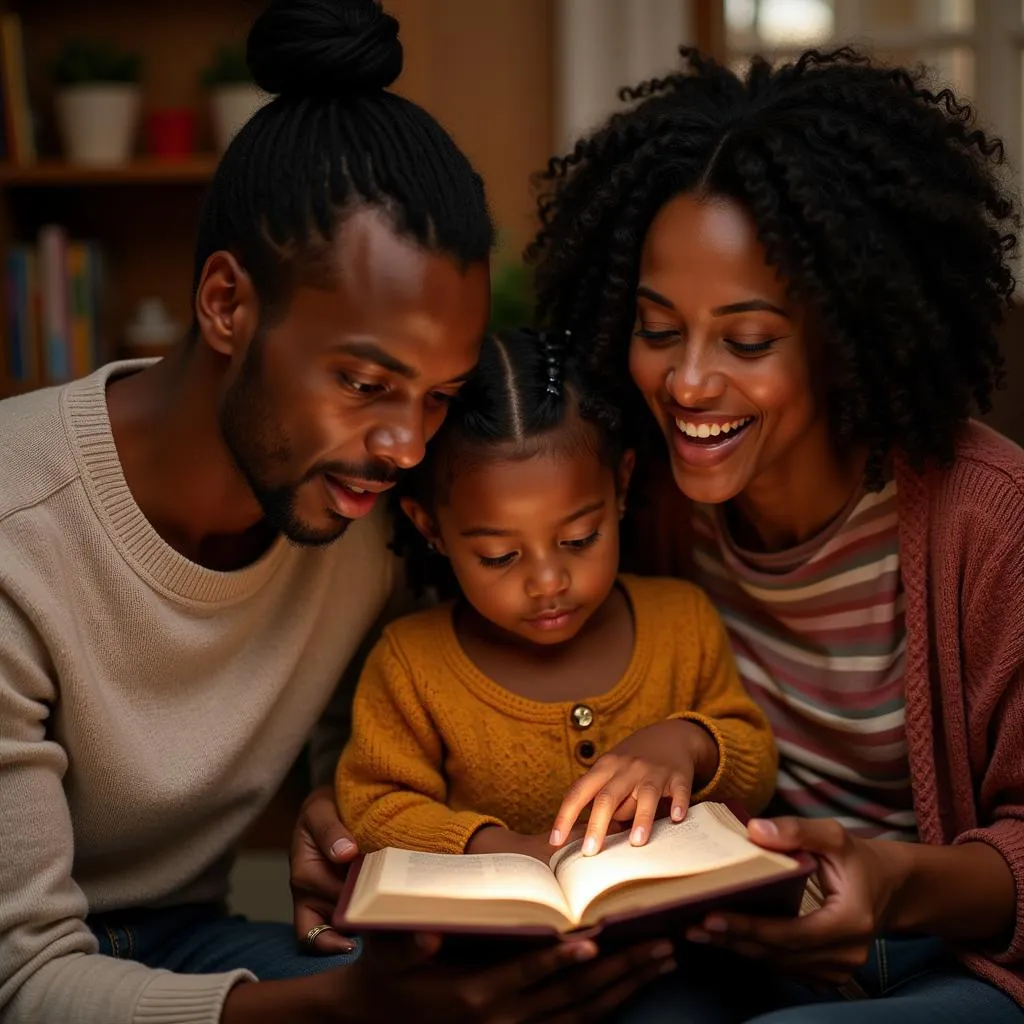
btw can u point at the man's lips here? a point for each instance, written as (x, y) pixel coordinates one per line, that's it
(353, 499)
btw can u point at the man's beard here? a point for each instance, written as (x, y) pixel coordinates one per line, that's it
(256, 445)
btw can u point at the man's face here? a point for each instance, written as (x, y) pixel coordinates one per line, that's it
(332, 401)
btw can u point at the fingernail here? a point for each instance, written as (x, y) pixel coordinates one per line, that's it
(677, 813)
(716, 924)
(764, 826)
(347, 946)
(589, 846)
(696, 935)
(662, 950)
(584, 951)
(555, 839)
(341, 847)
(667, 967)
(638, 836)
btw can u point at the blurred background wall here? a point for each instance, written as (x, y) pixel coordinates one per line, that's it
(96, 230)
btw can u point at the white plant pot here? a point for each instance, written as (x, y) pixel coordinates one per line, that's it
(232, 106)
(98, 122)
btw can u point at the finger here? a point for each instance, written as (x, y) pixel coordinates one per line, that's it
(822, 928)
(507, 980)
(579, 794)
(647, 799)
(822, 835)
(679, 789)
(307, 915)
(616, 790)
(573, 992)
(601, 1005)
(322, 821)
(315, 877)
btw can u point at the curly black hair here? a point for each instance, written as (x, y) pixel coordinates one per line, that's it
(880, 202)
(528, 394)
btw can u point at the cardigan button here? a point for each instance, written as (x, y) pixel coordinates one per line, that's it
(582, 716)
(585, 751)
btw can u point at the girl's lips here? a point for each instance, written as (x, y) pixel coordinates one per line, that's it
(555, 619)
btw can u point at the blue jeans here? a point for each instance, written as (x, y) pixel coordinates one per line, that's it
(908, 980)
(205, 939)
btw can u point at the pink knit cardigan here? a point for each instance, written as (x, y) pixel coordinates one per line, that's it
(961, 531)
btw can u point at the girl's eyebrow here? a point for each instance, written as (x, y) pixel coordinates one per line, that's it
(493, 531)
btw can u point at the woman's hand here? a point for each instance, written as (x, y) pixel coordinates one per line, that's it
(322, 848)
(826, 946)
(630, 781)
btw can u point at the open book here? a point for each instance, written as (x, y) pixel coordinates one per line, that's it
(701, 863)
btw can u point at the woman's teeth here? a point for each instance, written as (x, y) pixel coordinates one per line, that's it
(354, 489)
(703, 430)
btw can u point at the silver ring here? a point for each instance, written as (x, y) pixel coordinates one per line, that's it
(310, 940)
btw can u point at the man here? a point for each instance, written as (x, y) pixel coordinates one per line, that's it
(190, 555)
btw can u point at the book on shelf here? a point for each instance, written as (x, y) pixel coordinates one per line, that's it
(19, 142)
(54, 305)
(684, 871)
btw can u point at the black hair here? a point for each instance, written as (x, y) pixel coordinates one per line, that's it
(878, 200)
(332, 140)
(525, 388)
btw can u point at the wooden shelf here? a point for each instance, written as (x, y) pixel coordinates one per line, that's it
(143, 171)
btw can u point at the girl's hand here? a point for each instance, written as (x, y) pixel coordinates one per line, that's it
(827, 945)
(630, 781)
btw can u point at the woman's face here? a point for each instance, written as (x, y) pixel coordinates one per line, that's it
(721, 353)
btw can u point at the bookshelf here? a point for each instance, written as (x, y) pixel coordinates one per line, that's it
(196, 170)
(143, 214)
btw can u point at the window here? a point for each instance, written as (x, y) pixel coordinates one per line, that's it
(975, 46)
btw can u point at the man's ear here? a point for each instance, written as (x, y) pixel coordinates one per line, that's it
(423, 522)
(227, 307)
(626, 466)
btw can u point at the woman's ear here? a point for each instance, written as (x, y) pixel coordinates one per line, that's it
(423, 522)
(626, 466)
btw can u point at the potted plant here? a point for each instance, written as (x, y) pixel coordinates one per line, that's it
(234, 96)
(97, 102)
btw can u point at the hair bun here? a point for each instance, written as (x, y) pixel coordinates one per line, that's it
(324, 48)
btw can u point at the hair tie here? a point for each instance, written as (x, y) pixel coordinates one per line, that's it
(553, 355)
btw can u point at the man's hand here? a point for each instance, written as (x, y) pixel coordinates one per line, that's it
(322, 848)
(630, 781)
(400, 978)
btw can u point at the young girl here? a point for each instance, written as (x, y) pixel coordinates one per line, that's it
(550, 677)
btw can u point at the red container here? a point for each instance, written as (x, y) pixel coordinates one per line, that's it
(171, 134)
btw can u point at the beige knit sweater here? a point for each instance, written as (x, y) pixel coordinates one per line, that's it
(148, 708)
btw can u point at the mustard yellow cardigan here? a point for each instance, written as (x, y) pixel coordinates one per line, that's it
(439, 750)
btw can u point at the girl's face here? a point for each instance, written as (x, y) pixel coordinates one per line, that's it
(721, 354)
(534, 542)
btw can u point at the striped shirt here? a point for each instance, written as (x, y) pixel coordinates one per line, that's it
(819, 636)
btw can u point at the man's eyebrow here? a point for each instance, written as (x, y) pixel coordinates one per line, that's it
(373, 353)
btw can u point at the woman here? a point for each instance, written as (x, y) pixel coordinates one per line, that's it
(803, 272)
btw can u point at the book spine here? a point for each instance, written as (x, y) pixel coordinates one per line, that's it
(54, 287)
(78, 310)
(97, 285)
(12, 286)
(34, 362)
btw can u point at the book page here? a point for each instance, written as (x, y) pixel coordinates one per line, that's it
(490, 877)
(699, 843)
